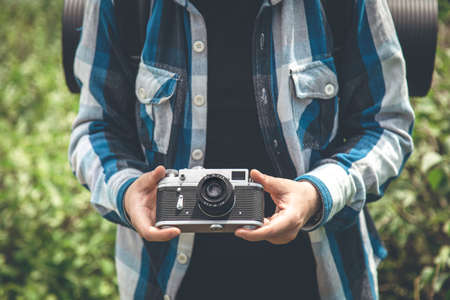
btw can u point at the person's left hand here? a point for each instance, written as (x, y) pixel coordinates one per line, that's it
(296, 202)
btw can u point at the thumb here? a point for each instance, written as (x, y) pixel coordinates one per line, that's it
(272, 185)
(150, 180)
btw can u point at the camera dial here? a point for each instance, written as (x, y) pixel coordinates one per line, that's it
(215, 195)
(171, 173)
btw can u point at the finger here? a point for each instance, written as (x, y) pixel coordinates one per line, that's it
(154, 234)
(275, 229)
(142, 222)
(271, 184)
(277, 210)
(150, 180)
(141, 219)
(254, 235)
(284, 229)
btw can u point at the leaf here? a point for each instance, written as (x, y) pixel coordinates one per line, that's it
(443, 257)
(442, 278)
(446, 228)
(429, 160)
(435, 177)
(447, 144)
(427, 274)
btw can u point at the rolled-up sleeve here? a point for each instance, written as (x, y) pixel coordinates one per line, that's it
(376, 119)
(104, 151)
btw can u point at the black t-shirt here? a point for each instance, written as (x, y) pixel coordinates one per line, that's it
(222, 265)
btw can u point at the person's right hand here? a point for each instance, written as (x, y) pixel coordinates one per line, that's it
(140, 205)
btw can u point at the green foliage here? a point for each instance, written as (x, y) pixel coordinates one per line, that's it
(54, 246)
(444, 9)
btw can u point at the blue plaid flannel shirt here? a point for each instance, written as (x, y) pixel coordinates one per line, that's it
(349, 137)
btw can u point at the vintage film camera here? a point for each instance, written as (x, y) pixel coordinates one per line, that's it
(209, 200)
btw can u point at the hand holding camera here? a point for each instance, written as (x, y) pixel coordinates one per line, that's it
(296, 202)
(223, 200)
(140, 205)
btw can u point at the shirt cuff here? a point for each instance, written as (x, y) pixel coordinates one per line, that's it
(118, 185)
(334, 186)
(318, 218)
(120, 202)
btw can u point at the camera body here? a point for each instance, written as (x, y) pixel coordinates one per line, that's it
(209, 200)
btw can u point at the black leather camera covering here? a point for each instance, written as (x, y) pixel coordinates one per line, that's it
(249, 205)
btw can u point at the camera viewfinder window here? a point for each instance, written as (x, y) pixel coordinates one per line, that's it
(237, 175)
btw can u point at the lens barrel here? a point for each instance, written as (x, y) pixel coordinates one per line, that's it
(215, 195)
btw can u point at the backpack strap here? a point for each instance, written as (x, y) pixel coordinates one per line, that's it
(132, 17)
(339, 16)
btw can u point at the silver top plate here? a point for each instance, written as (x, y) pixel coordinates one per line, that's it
(191, 177)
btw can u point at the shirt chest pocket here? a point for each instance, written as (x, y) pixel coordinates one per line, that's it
(314, 89)
(156, 92)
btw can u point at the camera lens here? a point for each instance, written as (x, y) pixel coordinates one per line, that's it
(214, 190)
(215, 195)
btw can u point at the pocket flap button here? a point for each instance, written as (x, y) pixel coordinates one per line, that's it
(329, 89)
(141, 92)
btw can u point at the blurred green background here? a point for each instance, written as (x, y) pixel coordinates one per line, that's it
(54, 246)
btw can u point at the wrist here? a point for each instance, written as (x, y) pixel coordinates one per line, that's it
(124, 201)
(125, 211)
(313, 198)
(315, 205)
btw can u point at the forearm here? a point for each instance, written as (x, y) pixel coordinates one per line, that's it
(104, 150)
(104, 172)
(374, 135)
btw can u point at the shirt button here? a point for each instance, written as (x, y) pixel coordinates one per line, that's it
(197, 154)
(199, 100)
(182, 258)
(329, 89)
(166, 297)
(141, 92)
(199, 46)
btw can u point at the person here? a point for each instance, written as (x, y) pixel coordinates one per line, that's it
(327, 135)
